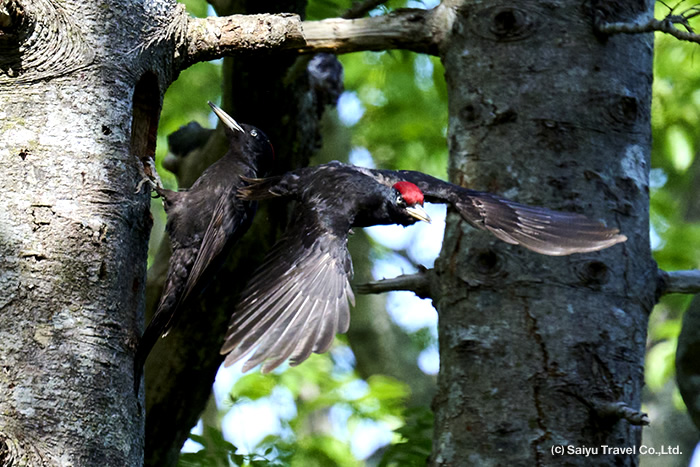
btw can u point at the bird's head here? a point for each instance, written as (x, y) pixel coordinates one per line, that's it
(260, 147)
(250, 139)
(408, 202)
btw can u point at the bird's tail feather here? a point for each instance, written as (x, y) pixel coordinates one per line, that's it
(159, 326)
(148, 340)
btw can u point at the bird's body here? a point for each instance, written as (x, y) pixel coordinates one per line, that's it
(204, 222)
(337, 195)
(298, 299)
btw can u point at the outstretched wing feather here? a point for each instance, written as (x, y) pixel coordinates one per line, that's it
(295, 302)
(542, 230)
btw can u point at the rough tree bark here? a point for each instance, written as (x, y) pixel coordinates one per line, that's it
(541, 109)
(73, 228)
(537, 351)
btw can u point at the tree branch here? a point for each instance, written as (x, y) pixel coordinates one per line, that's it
(666, 25)
(687, 282)
(418, 283)
(621, 411)
(679, 282)
(652, 25)
(405, 29)
(215, 37)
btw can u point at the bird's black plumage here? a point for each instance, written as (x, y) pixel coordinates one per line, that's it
(298, 299)
(545, 231)
(203, 224)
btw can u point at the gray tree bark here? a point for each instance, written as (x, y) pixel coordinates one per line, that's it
(79, 108)
(537, 352)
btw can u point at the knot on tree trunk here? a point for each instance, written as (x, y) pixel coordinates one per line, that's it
(43, 34)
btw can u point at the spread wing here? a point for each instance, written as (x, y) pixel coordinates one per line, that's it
(296, 301)
(542, 230)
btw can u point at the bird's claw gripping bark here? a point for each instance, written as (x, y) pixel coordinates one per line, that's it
(149, 175)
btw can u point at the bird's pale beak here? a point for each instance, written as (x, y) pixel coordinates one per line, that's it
(418, 212)
(225, 118)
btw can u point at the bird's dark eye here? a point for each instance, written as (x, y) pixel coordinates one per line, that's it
(400, 201)
(254, 133)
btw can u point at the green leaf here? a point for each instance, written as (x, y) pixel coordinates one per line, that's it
(680, 148)
(254, 386)
(386, 388)
(415, 443)
(660, 364)
(198, 8)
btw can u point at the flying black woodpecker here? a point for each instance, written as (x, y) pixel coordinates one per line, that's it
(298, 298)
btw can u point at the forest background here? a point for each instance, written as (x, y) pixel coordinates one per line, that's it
(393, 114)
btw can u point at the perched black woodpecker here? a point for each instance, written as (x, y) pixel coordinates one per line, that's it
(204, 222)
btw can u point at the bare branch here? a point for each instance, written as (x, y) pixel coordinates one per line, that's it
(680, 282)
(405, 29)
(418, 283)
(652, 25)
(622, 411)
(216, 37)
(666, 25)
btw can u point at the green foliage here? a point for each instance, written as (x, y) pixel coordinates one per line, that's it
(217, 451)
(415, 445)
(253, 386)
(313, 451)
(675, 188)
(196, 8)
(405, 109)
(423, 338)
(305, 441)
(322, 9)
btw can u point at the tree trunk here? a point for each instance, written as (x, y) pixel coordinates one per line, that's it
(539, 352)
(74, 231)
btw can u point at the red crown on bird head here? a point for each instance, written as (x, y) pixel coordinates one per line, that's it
(410, 193)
